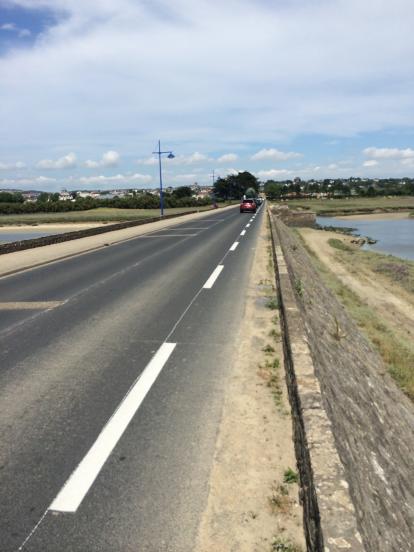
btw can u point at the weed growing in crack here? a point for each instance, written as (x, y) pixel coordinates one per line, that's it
(268, 349)
(279, 501)
(273, 303)
(290, 476)
(282, 545)
(299, 287)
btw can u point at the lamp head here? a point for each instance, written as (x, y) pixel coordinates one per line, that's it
(171, 155)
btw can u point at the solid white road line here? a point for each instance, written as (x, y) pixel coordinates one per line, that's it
(215, 274)
(242, 233)
(78, 484)
(233, 247)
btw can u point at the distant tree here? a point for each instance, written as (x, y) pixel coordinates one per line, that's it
(234, 186)
(10, 197)
(182, 191)
(43, 197)
(250, 192)
(272, 189)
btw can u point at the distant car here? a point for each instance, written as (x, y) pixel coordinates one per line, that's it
(248, 206)
(258, 201)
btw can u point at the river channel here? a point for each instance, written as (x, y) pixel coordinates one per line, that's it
(395, 237)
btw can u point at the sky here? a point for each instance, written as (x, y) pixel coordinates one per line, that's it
(281, 88)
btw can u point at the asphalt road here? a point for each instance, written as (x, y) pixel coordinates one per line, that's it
(112, 370)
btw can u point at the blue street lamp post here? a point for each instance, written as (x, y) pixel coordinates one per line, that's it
(170, 156)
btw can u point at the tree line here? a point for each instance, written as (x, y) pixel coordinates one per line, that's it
(340, 187)
(50, 203)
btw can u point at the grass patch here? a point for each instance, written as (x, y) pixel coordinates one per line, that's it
(269, 371)
(268, 349)
(282, 545)
(101, 214)
(272, 304)
(353, 205)
(339, 244)
(290, 476)
(298, 287)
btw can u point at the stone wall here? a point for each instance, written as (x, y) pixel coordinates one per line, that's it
(293, 217)
(354, 428)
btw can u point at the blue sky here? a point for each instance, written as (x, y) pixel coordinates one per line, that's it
(312, 89)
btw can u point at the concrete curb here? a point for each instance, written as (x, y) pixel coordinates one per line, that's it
(329, 516)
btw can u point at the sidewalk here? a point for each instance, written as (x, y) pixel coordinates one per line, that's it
(30, 258)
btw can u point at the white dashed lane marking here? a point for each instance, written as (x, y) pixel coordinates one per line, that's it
(215, 274)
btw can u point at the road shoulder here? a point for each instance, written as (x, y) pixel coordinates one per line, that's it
(251, 508)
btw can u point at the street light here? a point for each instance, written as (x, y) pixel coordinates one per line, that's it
(170, 156)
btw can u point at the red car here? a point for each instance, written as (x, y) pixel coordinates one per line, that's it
(248, 206)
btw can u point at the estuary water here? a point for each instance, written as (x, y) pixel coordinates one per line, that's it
(395, 237)
(8, 237)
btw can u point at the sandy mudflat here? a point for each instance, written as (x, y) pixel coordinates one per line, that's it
(377, 216)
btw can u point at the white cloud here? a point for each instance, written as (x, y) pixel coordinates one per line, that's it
(192, 177)
(409, 162)
(228, 158)
(114, 179)
(389, 153)
(191, 159)
(8, 27)
(272, 154)
(66, 162)
(148, 161)
(22, 183)
(370, 163)
(12, 27)
(273, 173)
(109, 159)
(11, 166)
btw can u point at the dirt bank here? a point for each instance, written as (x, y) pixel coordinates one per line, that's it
(391, 302)
(250, 507)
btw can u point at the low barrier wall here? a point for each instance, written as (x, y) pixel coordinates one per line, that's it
(329, 517)
(354, 428)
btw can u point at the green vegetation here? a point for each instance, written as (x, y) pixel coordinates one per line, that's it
(393, 270)
(298, 287)
(273, 303)
(339, 244)
(235, 186)
(102, 214)
(282, 545)
(11, 197)
(290, 476)
(349, 188)
(268, 349)
(353, 205)
(396, 351)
